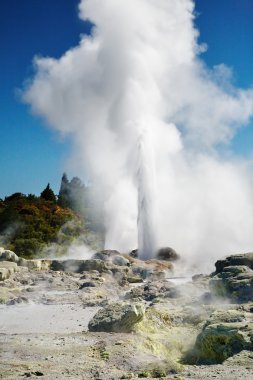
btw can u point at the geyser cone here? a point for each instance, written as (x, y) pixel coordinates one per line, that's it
(146, 197)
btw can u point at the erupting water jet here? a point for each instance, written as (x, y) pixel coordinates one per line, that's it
(146, 198)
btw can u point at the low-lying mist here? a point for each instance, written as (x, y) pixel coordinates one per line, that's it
(139, 75)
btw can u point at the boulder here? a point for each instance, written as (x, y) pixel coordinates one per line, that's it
(245, 259)
(233, 278)
(167, 254)
(134, 253)
(6, 255)
(120, 260)
(117, 317)
(224, 334)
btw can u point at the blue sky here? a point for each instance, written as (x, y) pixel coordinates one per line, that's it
(31, 154)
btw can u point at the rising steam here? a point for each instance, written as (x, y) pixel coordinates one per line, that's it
(140, 74)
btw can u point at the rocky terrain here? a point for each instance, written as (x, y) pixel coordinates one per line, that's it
(116, 317)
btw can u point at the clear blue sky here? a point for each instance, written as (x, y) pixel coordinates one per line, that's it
(31, 154)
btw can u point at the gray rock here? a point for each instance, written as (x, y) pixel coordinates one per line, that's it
(225, 333)
(120, 260)
(134, 253)
(88, 284)
(15, 301)
(117, 317)
(153, 290)
(141, 270)
(233, 281)
(105, 255)
(167, 254)
(6, 255)
(235, 260)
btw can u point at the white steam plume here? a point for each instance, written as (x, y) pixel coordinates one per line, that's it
(140, 68)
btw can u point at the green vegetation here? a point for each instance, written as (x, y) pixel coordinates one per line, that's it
(104, 354)
(28, 224)
(34, 226)
(144, 374)
(158, 372)
(48, 194)
(154, 373)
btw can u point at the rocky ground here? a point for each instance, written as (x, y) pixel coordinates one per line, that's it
(116, 317)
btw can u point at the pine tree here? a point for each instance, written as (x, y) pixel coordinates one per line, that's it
(77, 192)
(64, 193)
(48, 194)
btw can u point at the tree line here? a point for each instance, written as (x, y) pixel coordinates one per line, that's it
(30, 223)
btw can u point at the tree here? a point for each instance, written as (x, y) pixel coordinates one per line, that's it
(16, 197)
(77, 193)
(48, 194)
(72, 193)
(64, 193)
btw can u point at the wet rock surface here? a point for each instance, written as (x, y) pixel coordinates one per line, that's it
(85, 319)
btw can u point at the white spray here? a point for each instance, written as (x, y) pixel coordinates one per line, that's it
(141, 67)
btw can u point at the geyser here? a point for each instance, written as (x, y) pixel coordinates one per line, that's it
(140, 70)
(146, 197)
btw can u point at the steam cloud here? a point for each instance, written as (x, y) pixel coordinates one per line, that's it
(140, 73)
